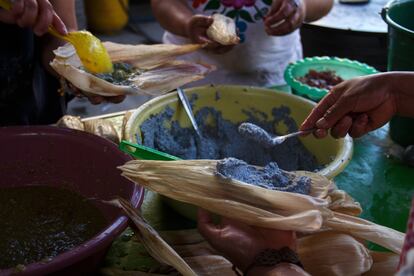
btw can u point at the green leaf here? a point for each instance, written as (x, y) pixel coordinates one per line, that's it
(232, 14)
(212, 5)
(246, 16)
(268, 2)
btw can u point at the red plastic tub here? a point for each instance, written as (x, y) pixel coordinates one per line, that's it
(78, 161)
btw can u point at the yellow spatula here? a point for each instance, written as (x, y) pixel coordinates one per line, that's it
(89, 48)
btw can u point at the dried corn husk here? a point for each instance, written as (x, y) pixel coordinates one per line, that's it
(102, 128)
(152, 241)
(332, 253)
(210, 265)
(223, 30)
(363, 229)
(125, 119)
(385, 264)
(196, 182)
(71, 122)
(155, 61)
(341, 202)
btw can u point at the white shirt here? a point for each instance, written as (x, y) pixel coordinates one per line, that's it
(260, 60)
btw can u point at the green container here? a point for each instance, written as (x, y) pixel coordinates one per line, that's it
(343, 67)
(399, 15)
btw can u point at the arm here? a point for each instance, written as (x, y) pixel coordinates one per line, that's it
(173, 15)
(316, 9)
(363, 104)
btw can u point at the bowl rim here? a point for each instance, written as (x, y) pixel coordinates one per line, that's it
(330, 171)
(102, 239)
(315, 93)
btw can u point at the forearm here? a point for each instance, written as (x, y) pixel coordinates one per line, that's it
(316, 9)
(284, 269)
(173, 15)
(66, 11)
(402, 84)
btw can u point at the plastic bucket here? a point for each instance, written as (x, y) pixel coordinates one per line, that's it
(106, 16)
(399, 17)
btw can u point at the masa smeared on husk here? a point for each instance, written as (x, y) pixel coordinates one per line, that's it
(155, 71)
(196, 182)
(223, 30)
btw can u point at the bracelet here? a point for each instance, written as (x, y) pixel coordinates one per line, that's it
(273, 257)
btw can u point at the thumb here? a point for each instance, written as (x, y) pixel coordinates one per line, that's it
(206, 227)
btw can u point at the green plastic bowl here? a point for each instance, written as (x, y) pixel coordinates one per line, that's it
(345, 68)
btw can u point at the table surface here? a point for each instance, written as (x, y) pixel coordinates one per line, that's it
(355, 17)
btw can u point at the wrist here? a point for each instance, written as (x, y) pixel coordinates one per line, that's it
(401, 84)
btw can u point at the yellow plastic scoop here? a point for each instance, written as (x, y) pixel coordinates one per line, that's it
(89, 48)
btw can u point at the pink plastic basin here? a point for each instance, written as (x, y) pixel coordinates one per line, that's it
(78, 161)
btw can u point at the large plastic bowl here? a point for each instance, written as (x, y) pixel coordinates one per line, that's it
(345, 68)
(334, 154)
(78, 161)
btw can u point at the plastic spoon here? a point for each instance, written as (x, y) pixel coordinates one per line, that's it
(261, 136)
(89, 48)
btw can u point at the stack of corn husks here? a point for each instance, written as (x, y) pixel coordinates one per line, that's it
(327, 217)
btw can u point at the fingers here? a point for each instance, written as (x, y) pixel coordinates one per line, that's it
(44, 18)
(360, 126)
(206, 227)
(29, 14)
(287, 26)
(319, 111)
(342, 127)
(58, 24)
(286, 10)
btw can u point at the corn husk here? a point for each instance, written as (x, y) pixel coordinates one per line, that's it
(332, 253)
(152, 241)
(196, 182)
(385, 264)
(223, 30)
(72, 122)
(160, 73)
(341, 202)
(210, 265)
(102, 128)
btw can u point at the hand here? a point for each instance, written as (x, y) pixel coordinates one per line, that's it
(94, 99)
(196, 30)
(284, 17)
(239, 242)
(34, 14)
(355, 106)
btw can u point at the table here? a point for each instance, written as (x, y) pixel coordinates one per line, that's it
(354, 31)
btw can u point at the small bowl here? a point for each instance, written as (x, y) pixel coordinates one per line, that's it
(345, 68)
(78, 161)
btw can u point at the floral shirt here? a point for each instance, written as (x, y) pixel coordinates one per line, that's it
(260, 59)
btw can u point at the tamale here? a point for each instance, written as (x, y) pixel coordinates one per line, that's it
(72, 122)
(102, 128)
(223, 30)
(152, 69)
(152, 241)
(196, 182)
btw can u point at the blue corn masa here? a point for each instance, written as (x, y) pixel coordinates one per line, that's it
(270, 177)
(221, 139)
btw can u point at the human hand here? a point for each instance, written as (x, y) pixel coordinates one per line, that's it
(34, 14)
(284, 17)
(196, 30)
(239, 242)
(94, 99)
(356, 106)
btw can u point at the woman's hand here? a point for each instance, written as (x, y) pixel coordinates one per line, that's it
(241, 243)
(356, 106)
(34, 14)
(284, 17)
(196, 29)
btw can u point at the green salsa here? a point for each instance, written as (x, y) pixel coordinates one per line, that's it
(121, 74)
(37, 223)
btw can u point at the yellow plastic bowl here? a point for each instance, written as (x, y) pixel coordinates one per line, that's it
(334, 154)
